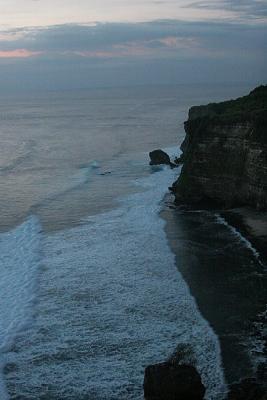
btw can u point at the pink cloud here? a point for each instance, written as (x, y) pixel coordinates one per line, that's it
(18, 53)
(97, 54)
(126, 50)
(141, 48)
(176, 42)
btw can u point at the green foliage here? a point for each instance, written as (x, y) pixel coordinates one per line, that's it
(247, 107)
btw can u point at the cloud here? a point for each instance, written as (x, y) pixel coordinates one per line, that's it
(158, 39)
(101, 40)
(166, 46)
(249, 9)
(18, 53)
(76, 55)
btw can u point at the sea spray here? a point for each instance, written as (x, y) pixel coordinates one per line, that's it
(19, 263)
(111, 302)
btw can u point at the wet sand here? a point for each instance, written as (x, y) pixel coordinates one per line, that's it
(228, 283)
(252, 224)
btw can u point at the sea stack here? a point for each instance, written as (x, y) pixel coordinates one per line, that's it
(159, 157)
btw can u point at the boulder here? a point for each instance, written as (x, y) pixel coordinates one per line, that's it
(158, 157)
(167, 381)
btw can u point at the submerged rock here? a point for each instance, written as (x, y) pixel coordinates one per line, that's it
(158, 157)
(167, 381)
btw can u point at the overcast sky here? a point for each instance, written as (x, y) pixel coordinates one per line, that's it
(61, 44)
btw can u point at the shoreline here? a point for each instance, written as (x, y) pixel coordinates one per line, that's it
(213, 296)
(252, 225)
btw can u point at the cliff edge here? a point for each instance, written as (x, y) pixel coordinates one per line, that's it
(225, 154)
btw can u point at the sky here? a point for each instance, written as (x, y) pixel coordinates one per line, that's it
(67, 44)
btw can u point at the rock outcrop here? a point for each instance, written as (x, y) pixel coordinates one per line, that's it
(158, 157)
(167, 381)
(225, 154)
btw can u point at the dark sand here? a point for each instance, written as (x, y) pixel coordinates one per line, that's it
(227, 281)
(252, 224)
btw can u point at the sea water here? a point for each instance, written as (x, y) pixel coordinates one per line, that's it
(91, 290)
(111, 301)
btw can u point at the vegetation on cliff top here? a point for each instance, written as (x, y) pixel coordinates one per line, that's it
(245, 108)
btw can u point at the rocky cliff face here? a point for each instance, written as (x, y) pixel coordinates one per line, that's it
(225, 153)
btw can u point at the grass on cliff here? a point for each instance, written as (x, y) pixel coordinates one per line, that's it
(246, 107)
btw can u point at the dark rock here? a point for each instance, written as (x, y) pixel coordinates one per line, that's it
(178, 160)
(167, 381)
(247, 389)
(225, 154)
(105, 173)
(262, 372)
(158, 157)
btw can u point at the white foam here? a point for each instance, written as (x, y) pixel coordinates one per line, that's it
(19, 260)
(240, 237)
(173, 151)
(112, 302)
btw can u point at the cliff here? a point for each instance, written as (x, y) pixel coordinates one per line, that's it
(225, 154)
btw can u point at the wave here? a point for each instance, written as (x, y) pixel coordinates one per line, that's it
(113, 302)
(26, 152)
(173, 151)
(19, 263)
(75, 182)
(192, 329)
(240, 237)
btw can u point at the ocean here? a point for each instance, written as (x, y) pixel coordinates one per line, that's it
(99, 274)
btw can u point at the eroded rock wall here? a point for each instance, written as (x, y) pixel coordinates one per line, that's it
(225, 156)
